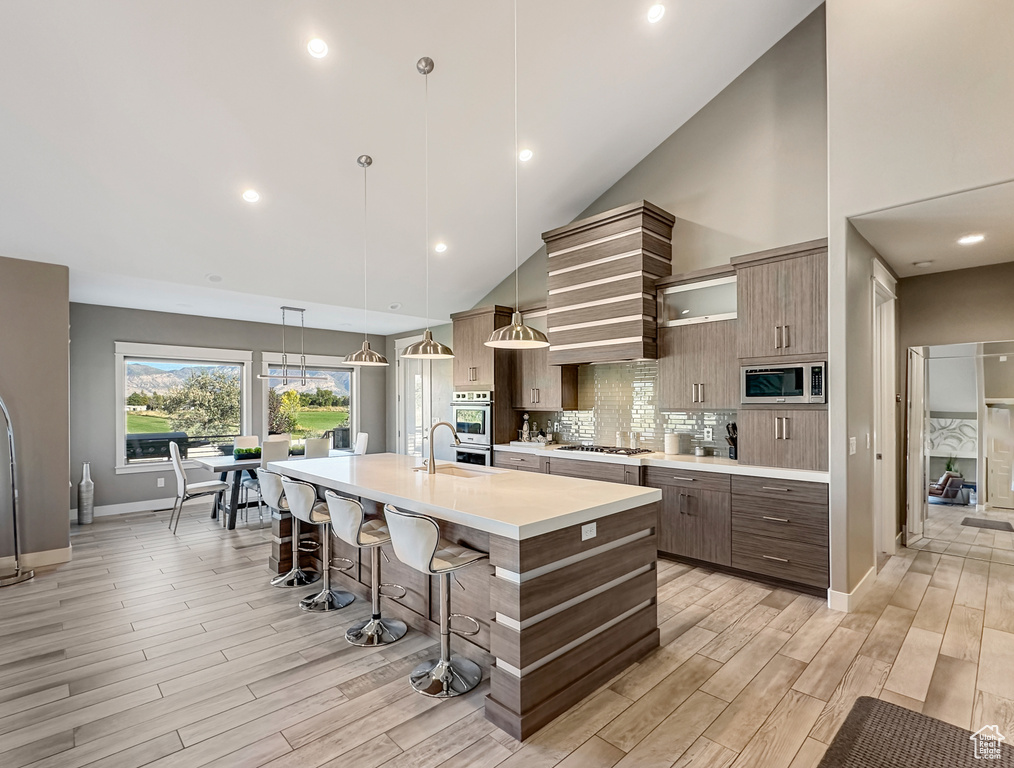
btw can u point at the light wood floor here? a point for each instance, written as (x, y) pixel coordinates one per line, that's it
(943, 532)
(163, 651)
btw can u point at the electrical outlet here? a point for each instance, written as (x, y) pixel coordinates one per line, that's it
(709, 434)
(852, 446)
(588, 531)
(160, 483)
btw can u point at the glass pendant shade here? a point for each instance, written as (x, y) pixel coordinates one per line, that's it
(428, 349)
(366, 356)
(517, 335)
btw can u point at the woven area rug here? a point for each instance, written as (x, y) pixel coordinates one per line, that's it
(877, 734)
(993, 525)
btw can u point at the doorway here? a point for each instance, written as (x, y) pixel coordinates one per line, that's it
(885, 481)
(999, 494)
(414, 400)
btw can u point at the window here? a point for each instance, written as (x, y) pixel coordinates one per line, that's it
(193, 396)
(324, 406)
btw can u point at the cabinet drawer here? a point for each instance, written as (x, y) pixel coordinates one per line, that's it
(704, 481)
(805, 523)
(588, 470)
(785, 490)
(509, 460)
(780, 559)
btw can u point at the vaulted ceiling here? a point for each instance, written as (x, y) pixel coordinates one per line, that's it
(129, 130)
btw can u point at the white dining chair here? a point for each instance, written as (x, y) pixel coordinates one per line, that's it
(280, 436)
(317, 448)
(362, 440)
(185, 491)
(246, 441)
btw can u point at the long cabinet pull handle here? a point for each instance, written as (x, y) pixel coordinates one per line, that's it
(688, 479)
(538, 398)
(515, 458)
(778, 423)
(777, 559)
(531, 394)
(702, 393)
(785, 428)
(785, 337)
(772, 488)
(778, 337)
(681, 505)
(775, 519)
(695, 393)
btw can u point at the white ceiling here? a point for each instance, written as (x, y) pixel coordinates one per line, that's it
(929, 231)
(128, 131)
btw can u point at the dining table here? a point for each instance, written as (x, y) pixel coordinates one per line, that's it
(225, 464)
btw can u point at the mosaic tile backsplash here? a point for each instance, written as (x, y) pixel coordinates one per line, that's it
(621, 398)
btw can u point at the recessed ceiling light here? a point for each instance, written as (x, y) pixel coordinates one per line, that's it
(317, 48)
(656, 12)
(922, 264)
(525, 155)
(440, 247)
(971, 239)
(213, 278)
(394, 306)
(251, 196)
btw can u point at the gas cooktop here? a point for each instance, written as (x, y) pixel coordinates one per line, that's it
(604, 449)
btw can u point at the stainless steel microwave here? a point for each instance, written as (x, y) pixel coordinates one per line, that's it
(785, 383)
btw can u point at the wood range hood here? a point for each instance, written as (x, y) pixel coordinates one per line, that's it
(602, 270)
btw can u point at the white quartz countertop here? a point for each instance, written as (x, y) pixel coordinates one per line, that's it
(669, 461)
(516, 505)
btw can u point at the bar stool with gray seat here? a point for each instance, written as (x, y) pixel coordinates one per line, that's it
(303, 504)
(185, 490)
(350, 524)
(417, 543)
(273, 494)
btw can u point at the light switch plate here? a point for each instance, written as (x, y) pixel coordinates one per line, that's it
(588, 531)
(852, 446)
(160, 483)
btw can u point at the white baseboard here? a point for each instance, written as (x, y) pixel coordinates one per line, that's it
(847, 601)
(130, 506)
(38, 559)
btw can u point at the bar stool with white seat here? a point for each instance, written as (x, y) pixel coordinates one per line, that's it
(273, 494)
(303, 504)
(417, 543)
(271, 450)
(350, 524)
(185, 490)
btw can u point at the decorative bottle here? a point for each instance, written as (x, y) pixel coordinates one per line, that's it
(86, 496)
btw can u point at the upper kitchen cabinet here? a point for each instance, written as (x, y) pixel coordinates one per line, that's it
(601, 284)
(477, 366)
(782, 302)
(697, 367)
(538, 385)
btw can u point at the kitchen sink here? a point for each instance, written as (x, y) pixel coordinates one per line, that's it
(456, 471)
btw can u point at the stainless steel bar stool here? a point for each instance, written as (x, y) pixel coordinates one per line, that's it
(303, 504)
(350, 524)
(416, 540)
(273, 494)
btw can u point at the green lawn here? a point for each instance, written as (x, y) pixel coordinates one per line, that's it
(140, 422)
(319, 421)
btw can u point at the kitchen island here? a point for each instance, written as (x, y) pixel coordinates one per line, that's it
(569, 561)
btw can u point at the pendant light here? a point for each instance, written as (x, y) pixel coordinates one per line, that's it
(365, 356)
(429, 348)
(303, 378)
(517, 335)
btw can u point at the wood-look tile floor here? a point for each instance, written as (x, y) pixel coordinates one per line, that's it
(943, 532)
(167, 651)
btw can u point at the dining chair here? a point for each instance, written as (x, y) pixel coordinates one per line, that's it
(271, 450)
(185, 491)
(280, 436)
(317, 448)
(362, 440)
(246, 441)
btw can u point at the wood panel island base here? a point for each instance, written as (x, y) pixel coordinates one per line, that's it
(567, 599)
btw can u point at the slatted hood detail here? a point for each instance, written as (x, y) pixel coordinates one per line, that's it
(601, 283)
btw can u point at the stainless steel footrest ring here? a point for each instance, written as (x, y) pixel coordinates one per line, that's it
(389, 596)
(443, 679)
(342, 568)
(297, 577)
(463, 632)
(376, 631)
(326, 600)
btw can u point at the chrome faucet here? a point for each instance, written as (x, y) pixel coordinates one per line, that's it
(431, 467)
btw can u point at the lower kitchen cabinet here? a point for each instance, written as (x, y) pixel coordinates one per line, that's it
(791, 438)
(589, 470)
(696, 524)
(526, 462)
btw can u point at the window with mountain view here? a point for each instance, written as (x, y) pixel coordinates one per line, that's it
(199, 405)
(321, 406)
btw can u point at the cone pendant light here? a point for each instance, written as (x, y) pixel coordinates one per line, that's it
(517, 335)
(365, 356)
(429, 348)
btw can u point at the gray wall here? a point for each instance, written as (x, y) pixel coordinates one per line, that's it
(746, 173)
(34, 385)
(95, 329)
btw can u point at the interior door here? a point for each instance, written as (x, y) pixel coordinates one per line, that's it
(916, 451)
(998, 457)
(414, 400)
